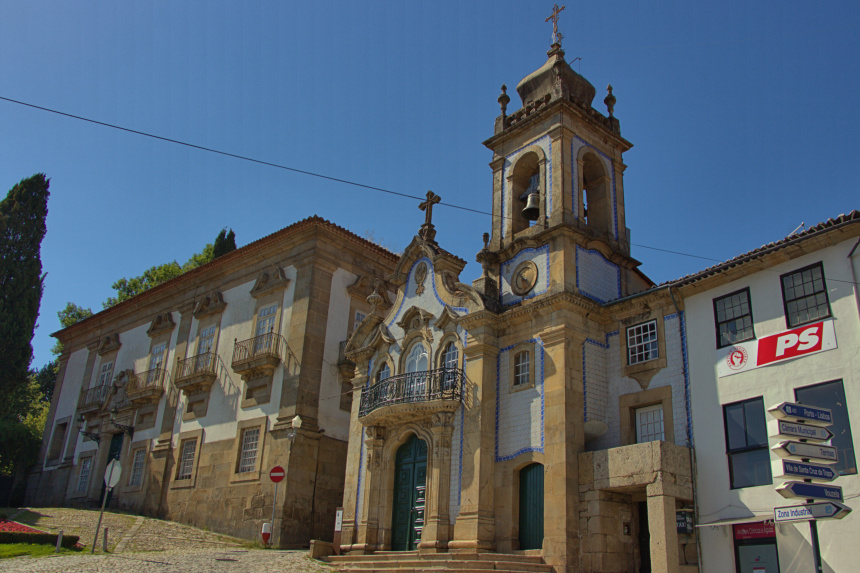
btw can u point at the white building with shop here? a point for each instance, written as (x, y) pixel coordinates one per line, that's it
(778, 324)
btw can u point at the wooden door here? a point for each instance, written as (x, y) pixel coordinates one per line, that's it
(410, 479)
(531, 507)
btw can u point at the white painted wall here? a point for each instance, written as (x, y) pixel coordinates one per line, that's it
(332, 419)
(776, 383)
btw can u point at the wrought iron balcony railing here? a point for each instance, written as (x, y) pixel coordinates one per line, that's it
(269, 345)
(439, 384)
(149, 380)
(193, 366)
(94, 396)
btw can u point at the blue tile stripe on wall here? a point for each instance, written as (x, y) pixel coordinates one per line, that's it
(608, 263)
(539, 382)
(604, 346)
(431, 276)
(548, 172)
(612, 168)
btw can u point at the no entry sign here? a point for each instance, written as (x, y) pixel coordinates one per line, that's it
(276, 474)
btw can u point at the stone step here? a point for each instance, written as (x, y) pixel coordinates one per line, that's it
(454, 565)
(401, 555)
(407, 562)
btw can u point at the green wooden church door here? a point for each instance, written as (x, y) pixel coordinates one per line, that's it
(410, 478)
(531, 507)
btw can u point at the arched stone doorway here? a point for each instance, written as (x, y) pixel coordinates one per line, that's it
(531, 507)
(410, 481)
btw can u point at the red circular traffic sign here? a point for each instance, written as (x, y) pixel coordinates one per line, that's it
(276, 474)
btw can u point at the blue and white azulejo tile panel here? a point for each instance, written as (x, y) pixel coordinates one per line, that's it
(596, 277)
(540, 257)
(519, 413)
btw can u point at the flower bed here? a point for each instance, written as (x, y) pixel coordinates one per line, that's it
(17, 527)
(11, 532)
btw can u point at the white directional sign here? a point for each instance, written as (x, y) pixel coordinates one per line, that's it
(824, 510)
(802, 413)
(802, 450)
(804, 431)
(808, 490)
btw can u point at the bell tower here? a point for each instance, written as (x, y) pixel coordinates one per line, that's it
(558, 186)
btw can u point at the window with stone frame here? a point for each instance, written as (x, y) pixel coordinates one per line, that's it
(642, 343)
(156, 362)
(522, 368)
(649, 423)
(136, 477)
(186, 459)
(84, 474)
(383, 372)
(733, 318)
(450, 364)
(105, 373)
(248, 451)
(58, 439)
(804, 295)
(205, 343)
(265, 328)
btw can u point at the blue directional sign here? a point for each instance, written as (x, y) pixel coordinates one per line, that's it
(808, 490)
(802, 413)
(822, 510)
(808, 471)
(804, 431)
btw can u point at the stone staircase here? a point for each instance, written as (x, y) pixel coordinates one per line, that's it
(412, 562)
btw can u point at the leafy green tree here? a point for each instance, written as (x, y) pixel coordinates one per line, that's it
(73, 314)
(224, 243)
(22, 228)
(21, 427)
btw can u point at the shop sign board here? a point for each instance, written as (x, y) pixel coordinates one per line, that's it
(788, 345)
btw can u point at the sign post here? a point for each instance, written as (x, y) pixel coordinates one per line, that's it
(276, 474)
(112, 473)
(808, 424)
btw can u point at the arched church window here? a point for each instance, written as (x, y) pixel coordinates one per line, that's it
(383, 372)
(525, 192)
(450, 362)
(417, 364)
(596, 201)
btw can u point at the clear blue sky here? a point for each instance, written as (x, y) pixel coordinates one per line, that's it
(742, 115)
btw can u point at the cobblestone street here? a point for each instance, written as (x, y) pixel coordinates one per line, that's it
(139, 544)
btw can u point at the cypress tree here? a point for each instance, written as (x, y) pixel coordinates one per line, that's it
(224, 243)
(22, 228)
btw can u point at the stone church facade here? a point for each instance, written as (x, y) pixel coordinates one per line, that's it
(193, 386)
(544, 408)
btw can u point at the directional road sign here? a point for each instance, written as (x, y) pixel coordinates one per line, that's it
(802, 450)
(801, 413)
(808, 490)
(823, 510)
(808, 471)
(804, 431)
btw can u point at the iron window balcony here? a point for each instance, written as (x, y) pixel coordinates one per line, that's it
(259, 355)
(195, 373)
(93, 398)
(400, 396)
(147, 387)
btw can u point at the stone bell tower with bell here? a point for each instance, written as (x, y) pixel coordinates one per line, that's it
(558, 181)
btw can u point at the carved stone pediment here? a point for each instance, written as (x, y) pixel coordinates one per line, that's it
(163, 322)
(447, 319)
(212, 303)
(415, 319)
(109, 343)
(271, 280)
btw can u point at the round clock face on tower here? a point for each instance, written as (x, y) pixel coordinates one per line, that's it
(524, 278)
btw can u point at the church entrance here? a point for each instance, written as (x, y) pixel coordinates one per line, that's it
(410, 479)
(531, 507)
(114, 452)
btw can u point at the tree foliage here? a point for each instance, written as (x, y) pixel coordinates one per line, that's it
(224, 243)
(73, 314)
(22, 228)
(22, 425)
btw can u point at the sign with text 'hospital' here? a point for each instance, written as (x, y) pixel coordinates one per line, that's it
(795, 343)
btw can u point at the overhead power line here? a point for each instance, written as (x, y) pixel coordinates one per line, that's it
(310, 173)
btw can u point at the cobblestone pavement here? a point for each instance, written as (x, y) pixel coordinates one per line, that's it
(182, 561)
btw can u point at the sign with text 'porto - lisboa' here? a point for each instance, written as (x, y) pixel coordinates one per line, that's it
(805, 451)
(808, 490)
(804, 431)
(802, 413)
(822, 510)
(802, 470)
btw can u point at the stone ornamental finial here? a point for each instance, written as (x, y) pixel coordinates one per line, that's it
(556, 38)
(427, 231)
(504, 99)
(375, 298)
(610, 100)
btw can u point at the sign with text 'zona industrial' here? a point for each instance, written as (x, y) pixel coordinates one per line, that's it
(824, 510)
(802, 341)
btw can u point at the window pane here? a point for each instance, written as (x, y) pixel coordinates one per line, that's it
(750, 468)
(805, 296)
(248, 459)
(756, 424)
(832, 395)
(735, 427)
(186, 462)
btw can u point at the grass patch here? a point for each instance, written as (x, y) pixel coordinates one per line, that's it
(32, 549)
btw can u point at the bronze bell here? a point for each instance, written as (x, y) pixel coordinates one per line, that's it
(532, 209)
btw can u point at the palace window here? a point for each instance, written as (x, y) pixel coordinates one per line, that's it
(804, 294)
(522, 368)
(642, 343)
(383, 372)
(248, 454)
(137, 467)
(84, 476)
(105, 373)
(649, 423)
(186, 460)
(746, 443)
(733, 317)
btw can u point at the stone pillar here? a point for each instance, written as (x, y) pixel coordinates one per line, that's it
(475, 526)
(434, 537)
(368, 531)
(354, 467)
(663, 531)
(499, 220)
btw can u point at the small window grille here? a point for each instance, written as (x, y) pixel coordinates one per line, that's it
(84, 478)
(521, 368)
(804, 293)
(642, 343)
(186, 462)
(137, 467)
(248, 456)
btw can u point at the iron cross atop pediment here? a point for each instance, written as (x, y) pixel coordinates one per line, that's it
(556, 37)
(427, 232)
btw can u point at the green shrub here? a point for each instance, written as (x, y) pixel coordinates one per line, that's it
(44, 538)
